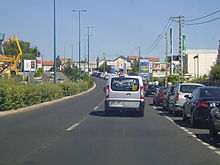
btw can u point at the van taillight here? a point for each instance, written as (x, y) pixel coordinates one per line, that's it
(107, 91)
(203, 104)
(177, 96)
(141, 92)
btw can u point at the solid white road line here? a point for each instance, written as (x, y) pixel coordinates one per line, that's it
(72, 127)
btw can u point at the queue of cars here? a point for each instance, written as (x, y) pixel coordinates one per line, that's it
(195, 102)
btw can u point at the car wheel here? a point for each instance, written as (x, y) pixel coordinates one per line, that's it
(193, 122)
(185, 118)
(141, 113)
(174, 112)
(107, 109)
(212, 131)
(154, 102)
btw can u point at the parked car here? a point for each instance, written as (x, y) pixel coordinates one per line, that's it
(214, 121)
(150, 89)
(167, 94)
(159, 95)
(178, 99)
(198, 106)
(125, 93)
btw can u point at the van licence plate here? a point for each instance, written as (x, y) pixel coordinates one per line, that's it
(116, 103)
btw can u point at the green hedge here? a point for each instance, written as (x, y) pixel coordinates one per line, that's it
(13, 96)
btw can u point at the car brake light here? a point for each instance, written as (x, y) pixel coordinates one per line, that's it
(141, 92)
(177, 96)
(203, 104)
(107, 91)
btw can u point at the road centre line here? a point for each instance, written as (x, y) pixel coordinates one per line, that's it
(96, 107)
(72, 127)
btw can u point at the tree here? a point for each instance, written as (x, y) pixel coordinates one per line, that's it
(215, 72)
(29, 52)
(58, 61)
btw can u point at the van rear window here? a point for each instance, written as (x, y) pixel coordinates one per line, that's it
(124, 84)
(188, 88)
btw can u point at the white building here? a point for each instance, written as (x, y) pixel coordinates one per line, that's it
(199, 62)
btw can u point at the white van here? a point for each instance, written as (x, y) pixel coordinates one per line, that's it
(125, 93)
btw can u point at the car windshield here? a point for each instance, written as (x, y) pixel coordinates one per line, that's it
(125, 84)
(188, 88)
(153, 87)
(210, 92)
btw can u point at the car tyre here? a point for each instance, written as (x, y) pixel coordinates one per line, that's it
(141, 113)
(193, 121)
(185, 118)
(174, 112)
(212, 131)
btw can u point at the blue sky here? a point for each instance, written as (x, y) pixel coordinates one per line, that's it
(120, 26)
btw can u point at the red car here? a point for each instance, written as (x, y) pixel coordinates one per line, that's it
(158, 97)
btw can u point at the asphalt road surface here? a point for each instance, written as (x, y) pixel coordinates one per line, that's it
(76, 132)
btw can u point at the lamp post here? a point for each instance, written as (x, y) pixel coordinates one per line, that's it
(79, 12)
(88, 27)
(54, 65)
(196, 57)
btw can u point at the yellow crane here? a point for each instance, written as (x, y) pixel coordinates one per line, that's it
(9, 63)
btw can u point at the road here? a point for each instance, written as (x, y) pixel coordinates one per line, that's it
(76, 132)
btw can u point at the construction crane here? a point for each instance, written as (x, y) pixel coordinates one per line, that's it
(9, 63)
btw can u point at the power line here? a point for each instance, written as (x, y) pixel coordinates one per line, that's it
(199, 23)
(202, 16)
(157, 41)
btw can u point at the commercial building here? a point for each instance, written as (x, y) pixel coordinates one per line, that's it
(199, 62)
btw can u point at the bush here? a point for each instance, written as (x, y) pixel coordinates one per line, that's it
(13, 95)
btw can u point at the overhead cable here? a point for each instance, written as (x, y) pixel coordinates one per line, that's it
(157, 41)
(202, 22)
(202, 16)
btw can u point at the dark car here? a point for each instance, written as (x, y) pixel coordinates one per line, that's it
(159, 95)
(168, 93)
(151, 89)
(198, 106)
(214, 121)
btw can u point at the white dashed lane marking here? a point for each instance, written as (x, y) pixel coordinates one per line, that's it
(72, 127)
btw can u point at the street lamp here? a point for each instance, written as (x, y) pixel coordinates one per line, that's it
(196, 57)
(54, 65)
(79, 11)
(88, 27)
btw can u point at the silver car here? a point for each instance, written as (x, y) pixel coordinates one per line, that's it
(125, 93)
(178, 96)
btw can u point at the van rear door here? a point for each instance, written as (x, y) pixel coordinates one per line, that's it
(125, 91)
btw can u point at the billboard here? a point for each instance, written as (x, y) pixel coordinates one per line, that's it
(29, 65)
(160, 69)
(144, 67)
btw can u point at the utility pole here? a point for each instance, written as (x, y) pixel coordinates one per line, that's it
(180, 21)
(166, 56)
(79, 13)
(88, 28)
(180, 50)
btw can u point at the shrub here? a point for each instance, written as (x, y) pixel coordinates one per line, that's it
(14, 95)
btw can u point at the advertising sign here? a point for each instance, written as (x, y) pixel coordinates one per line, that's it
(144, 67)
(110, 63)
(29, 65)
(113, 69)
(39, 62)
